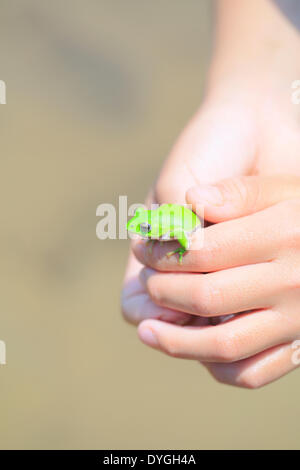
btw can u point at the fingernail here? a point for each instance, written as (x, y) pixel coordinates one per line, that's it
(210, 194)
(148, 337)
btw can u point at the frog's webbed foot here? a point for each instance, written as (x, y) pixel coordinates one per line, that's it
(180, 251)
(183, 241)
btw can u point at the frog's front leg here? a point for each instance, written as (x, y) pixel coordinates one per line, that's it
(184, 242)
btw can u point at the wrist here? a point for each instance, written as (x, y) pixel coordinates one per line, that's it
(256, 53)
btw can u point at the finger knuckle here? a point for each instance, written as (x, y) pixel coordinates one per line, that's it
(201, 258)
(250, 380)
(226, 348)
(204, 298)
(293, 280)
(217, 373)
(289, 278)
(289, 220)
(154, 290)
(238, 189)
(171, 346)
(204, 258)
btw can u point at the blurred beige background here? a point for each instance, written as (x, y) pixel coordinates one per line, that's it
(97, 91)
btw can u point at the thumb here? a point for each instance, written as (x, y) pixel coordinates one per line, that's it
(240, 196)
(216, 144)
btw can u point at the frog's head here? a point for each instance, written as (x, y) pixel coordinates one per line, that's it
(140, 224)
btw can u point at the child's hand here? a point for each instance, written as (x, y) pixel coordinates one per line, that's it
(247, 125)
(197, 157)
(252, 263)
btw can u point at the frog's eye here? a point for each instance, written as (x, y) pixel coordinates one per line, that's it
(145, 228)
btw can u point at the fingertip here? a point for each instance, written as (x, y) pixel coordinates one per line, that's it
(139, 250)
(206, 194)
(209, 202)
(147, 333)
(144, 275)
(201, 201)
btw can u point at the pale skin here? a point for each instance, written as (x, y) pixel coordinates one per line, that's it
(246, 131)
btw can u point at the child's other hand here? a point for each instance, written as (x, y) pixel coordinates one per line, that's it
(253, 266)
(247, 125)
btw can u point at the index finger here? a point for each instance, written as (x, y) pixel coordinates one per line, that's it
(227, 244)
